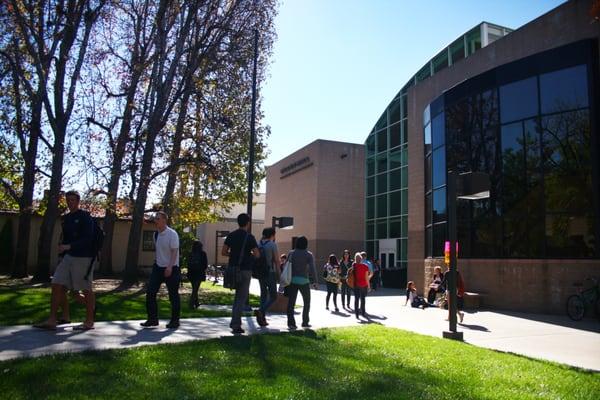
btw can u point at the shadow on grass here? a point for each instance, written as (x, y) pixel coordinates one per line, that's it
(368, 362)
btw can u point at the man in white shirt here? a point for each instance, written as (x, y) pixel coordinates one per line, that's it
(165, 269)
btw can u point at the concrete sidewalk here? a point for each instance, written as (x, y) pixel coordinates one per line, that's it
(554, 338)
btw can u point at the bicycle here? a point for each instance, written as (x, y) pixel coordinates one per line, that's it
(577, 303)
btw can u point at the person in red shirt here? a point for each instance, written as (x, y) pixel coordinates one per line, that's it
(362, 276)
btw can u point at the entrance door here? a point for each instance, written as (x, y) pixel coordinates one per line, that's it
(387, 253)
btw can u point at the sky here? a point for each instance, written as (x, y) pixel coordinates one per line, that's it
(337, 64)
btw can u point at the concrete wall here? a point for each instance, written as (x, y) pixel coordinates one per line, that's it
(326, 198)
(565, 24)
(121, 235)
(206, 233)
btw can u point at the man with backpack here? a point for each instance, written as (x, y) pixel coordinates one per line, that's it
(241, 248)
(267, 271)
(73, 271)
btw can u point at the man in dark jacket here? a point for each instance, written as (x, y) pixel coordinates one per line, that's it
(77, 248)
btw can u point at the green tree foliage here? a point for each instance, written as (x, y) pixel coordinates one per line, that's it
(11, 178)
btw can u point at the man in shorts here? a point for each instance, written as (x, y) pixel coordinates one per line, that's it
(78, 249)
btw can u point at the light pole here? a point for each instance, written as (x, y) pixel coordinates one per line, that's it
(252, 129)
(467, 186)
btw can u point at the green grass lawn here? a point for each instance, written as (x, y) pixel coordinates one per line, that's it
(23, 304)
(369, 362)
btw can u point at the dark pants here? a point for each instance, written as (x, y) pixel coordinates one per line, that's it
(418, 302)
(194, 297)
(432, 293)
(268, 292)
(375, 280)
(346, 293)
(157, 277)
(292, 294)
(360, 294)
(332, 288)
(241, 295)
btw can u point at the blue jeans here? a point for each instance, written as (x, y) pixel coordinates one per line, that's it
(346, 293)
(268, 292)
(239, 302)
(157, 277)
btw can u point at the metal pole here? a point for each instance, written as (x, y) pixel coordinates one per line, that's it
(451, 187)
(216, 247)
(252, 132)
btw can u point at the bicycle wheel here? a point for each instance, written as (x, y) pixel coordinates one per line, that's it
(575, 307)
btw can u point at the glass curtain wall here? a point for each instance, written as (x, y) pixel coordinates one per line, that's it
(533, 137)
(387, 182)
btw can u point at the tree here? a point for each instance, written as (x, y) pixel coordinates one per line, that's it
(21, 118)
(55, 37)
(197, 35)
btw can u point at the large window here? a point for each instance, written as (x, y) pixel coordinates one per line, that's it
(518, 100)
(564, 90)
(533, 137)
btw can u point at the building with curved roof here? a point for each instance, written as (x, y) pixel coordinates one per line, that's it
(522, 107)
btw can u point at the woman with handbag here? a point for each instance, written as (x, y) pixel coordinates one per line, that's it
(345, 265)
(331, 273)
(303, 274)
(197, 264)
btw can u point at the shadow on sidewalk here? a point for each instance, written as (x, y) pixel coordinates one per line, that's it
(589, 324)
(474, 327)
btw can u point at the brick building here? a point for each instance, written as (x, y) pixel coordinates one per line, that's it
(523, 107)
(321, 187)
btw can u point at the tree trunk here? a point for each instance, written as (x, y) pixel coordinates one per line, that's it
(26, 200)
(172, 180)
(137, 221)
(45, 244)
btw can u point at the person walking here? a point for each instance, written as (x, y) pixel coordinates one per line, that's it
(165, 270)
(331, 273)
(268, 282)
(77, 248)
(241, 248)
(375, 280)
(362, 276)
(303, 275)
(345, 265)
(197, 265)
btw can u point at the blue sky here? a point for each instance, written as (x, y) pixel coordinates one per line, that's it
(338, 63)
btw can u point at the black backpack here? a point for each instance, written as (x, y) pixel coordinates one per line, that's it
(97, 242)
(260, 269)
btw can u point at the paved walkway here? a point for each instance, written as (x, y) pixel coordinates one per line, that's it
(553, 338)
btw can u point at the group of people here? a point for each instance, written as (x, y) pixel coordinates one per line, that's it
(349, 275)
(437, 287)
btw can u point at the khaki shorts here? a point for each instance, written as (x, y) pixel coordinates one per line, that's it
(71, 271)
